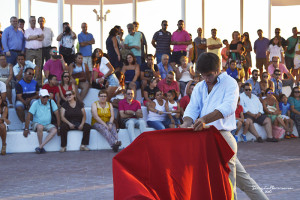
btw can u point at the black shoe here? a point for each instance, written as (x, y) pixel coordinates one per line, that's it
(259, 140)
(38, 150)
(43, 150)
(272, 140)
(116, 146)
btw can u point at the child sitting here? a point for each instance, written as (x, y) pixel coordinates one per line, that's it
(285, 108)
(173, 107)
(239, 116)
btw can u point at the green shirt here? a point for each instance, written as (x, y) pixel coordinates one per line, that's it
(292, 42)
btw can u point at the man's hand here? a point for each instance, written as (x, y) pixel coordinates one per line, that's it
(72, 126)
(26, 132)
(137, 47)
(8, 53)
(199, 124)
(80, 127)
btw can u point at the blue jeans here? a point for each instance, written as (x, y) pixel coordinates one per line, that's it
(12, 59)
(138, 60)
(158, 125)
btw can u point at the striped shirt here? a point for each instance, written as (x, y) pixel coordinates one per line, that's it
(163, 41)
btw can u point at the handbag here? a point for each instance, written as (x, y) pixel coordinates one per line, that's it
(53, 117)
(80, 75)
(64, 50)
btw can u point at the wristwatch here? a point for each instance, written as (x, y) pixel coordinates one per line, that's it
(26, 129)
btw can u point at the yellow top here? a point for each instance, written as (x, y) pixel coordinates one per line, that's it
(103, 113)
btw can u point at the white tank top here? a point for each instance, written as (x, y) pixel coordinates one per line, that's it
(186, 76)
(152, 116)
(172, 107)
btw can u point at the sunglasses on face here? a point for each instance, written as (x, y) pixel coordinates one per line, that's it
(103, 96)
(30, 74)
(66, 76)
(265, 76)
(247, 89)
(255, 74)
(69, 94)
(45, 97)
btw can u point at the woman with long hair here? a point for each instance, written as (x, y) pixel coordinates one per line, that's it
(294, 100)
(113, 49)
(64, 86)
(248, 48)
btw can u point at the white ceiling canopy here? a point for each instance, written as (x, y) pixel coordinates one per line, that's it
(285, 2)
(92, 2)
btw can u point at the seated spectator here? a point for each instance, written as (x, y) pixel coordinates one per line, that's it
(168, 84)
(276, 65)
(131, 70)
(255, 87)
(105, 71)
(232, 70)
(271, 109)
(41, 112)
(64, 86)
(52, 88)
(79, 72)
(3, 90)
(224, 54)
(277, 83)
(120, 91)
(294, 100)
(27, 91)
(148, 71)
(73, 117)
(197, 78)
(21, 66)
(131, 114)
(4, 122)
(184, 101)
(164, 67)
(55, 65)
(97, 53)
(6, 75)
(265, 83)
(173, 107)
(185, 74)
(149, 92)
(241, 85)
(275, 49)
(157, 117)
(285, 108)
(103, 120)
(253, 110)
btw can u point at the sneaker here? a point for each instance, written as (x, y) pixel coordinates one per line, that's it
(244, 137)
(3, 150)
(84, 148)
(293, 136)
(271, 140)
(236, 138)
(287, 136)
(63, 149)
(259, 140)
(38, 150)
(43, 150)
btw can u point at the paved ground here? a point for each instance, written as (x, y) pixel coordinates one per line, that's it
(88, 175)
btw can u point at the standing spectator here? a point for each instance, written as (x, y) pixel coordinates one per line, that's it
(1, 46)
(27, 91)
(277, 83)
(164, 67)
(21, 66)
(297, 58)
(253, 110)
(180, 39)
(214, 44)
(224, 54)
(168, 83)
(41, 111)
(185, 74)
(131, 114)
(275, 49)
(255, 87)
(294, 100)
(13, 41)
(161, 41)
(21, 24)
(281, 39)
(64, 86)
(285, 108)
(157, 117)
(184, 101)
(55, 65)
(148, 71)
(200, 43)
(133, 42)
(265, 83)
(144, 47)
(113, 49)
(34, 43)
(6, 75)
(86, 40)
(260, 49)
(131, 70)
(235, 47)
(103, 120)
(73, 117)
(67, 40)
(149, 92)
(3, 124)
(47, 42)
(80, 74)
(290, 51)
(52, 89)
(248, 48)
(276, 65)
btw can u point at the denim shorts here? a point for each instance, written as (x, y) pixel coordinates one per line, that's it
(20, 104)
(113, 81)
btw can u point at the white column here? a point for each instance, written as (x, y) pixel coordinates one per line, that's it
(134, 10)
(241, 16)
(269, 18)
(203, 17)
(183, 9)
(60, 5)
(18, 8)
(29, 8)
(71, 15)
(101, 2)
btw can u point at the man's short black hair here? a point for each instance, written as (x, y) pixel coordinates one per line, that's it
(248, 84)
(51, 76)
(180, 21)
(259, 30)
(28, 68)
(22, 55)
(208, 62)
(253, 71)
(21, 21)
(232, 61)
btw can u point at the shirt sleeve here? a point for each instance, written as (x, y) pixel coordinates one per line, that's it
(80, 39)
(208, 42)
(121, 105)
(2, 87)
(155, 36)
(291, 101)
(19, 89)
(15, 69)
(37, 87)
(33, 107)
(243, 103)
(284, 69)
(126, 40)
(54, 106)
(4, 40)
(254, 47)
(104, 60)
(187, 37)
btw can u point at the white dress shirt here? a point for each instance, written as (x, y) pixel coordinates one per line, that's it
(223, 97)
(48, 35)
(33, 44)
(252, 104)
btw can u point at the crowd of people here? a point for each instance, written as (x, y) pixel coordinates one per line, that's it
(51, 83)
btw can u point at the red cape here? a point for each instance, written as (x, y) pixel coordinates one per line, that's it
(174, 164)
